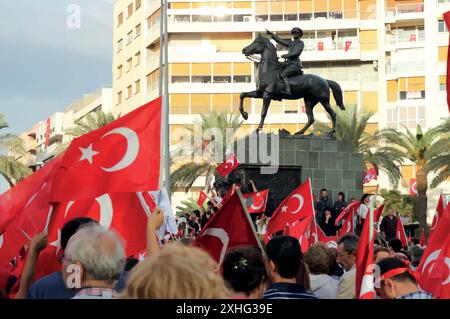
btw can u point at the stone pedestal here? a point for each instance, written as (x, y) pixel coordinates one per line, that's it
(329, 163)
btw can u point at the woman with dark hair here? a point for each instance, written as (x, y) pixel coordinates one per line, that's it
(244, 271)
(362, 213)
(339, 204)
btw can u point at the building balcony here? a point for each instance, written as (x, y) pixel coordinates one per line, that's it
(410, 11)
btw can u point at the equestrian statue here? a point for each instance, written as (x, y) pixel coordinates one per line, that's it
(278, 81)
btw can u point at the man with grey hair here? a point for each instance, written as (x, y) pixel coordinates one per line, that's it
(346, 258)
(94, 259)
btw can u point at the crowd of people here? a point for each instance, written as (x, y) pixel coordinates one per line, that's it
(94, 265)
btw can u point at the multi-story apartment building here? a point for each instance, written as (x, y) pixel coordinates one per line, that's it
(49, 134)
(384, 53)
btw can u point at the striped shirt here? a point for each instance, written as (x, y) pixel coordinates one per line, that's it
(417, 295)
(284, 290)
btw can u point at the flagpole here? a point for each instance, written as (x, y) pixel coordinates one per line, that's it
(238, 191)
(164, 92)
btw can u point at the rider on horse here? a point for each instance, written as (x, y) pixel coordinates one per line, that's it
(292, 65)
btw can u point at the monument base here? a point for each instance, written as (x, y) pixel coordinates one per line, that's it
(329, 163)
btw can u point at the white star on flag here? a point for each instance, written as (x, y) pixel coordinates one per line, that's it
(88, 153)
(284, 209)
(57, 242)
(141, 257)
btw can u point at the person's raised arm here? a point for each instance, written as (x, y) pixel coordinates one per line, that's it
(154, 222)
(38, 243)
(279, 40)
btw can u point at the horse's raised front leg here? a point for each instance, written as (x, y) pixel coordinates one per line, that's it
(266, 103)
(251, 94)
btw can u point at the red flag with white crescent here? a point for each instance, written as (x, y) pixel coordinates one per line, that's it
(295, 206)
(122, 156)
(256, 202)
(227, 228)
(437, 215)
(201, 198)
(346, 218)
(413, 187)
(228, 166)
(434, 266)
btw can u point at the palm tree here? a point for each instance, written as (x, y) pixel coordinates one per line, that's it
(86, 124)
(351, 126)
(10, 169)
(439, 162)
(421, 149)
(221, 124)
(187, 207)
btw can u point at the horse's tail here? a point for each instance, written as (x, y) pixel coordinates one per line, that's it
(337, 93)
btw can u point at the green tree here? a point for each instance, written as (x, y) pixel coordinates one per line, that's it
(217, 124)
(10, 169)
(187, 207)
(421, 149)
(350, 126)
(86, 124)
(394, 199)
(439, 162)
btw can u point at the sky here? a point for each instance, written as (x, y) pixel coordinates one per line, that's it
(44, 64)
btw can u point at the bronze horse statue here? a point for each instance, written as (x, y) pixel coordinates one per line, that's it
(312, 88)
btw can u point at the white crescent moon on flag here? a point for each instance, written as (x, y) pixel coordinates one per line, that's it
(132, 148)
(69, 204)
(257, 207)
(349, 226)
(300, 203)
(222, 235)
(435, 221)
(414, 187)
(1, 241)
(431, 259)
(106, 210)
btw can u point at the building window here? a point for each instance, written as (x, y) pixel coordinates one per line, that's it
(442, 27)
(119, 71)
(119, 97)
(130, 11)
(129, 64)
(137, 5)
(129, 37)
(138, 31)
(129, 92)
(119, 45)
(442, 83)
(137, 86)
(137, 58)
(120, 20)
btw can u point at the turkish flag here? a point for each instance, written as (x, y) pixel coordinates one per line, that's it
(298, 229)
(412, 187)
(346, 218)
(23, 194)
(435, 263)
(122, 156)
(364, 264)
(423, 241)
(227, 228)
(377, 213)
(201, 198)
(256, 202)
(294, 207)
(313, 232)
(369, 175)
(437, 215)
(228, 166)
(348, 43)
(400, 232)
(447, 23)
